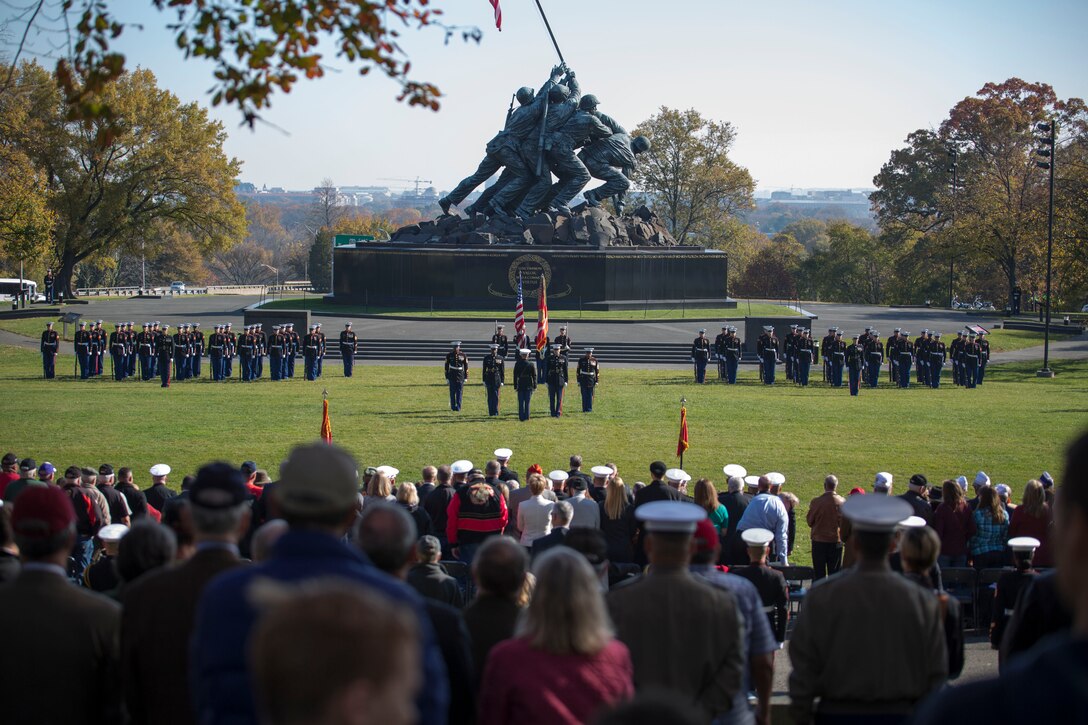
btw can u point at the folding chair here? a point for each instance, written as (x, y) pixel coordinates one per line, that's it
(796, 576)
(459, 570)
(961, 582)
(987, 586)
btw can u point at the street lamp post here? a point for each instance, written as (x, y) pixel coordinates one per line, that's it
(954, 155)
(276, 271)
(1046, 152)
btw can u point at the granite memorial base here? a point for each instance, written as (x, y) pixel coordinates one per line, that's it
(486, 277)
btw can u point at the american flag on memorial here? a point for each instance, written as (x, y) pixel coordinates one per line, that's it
(498, 14)
(519, 311)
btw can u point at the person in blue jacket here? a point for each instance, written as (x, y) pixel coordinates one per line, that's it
(318, 496)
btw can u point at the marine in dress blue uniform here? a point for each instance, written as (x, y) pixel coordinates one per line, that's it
(276, 345)
(524, 382)
(145, 350)
(718, 349)
(494, 377)
(540, 353)
(805, 350)
(229, 352)
(164, 351)
(855, 364)
(983, 358)
(293, 344)
(921, 358)
(589, 374)
(700, 356)
(49, 347)
(835, 359)
(731, 354)
(905, 354)
(322, 348)
(499, 338)
(311, 344)
(456, 373)
(874, 358)
(349, 343)
(117, 351)
(556, 363)
(82, 345)
(767, 349)
(972, 353)
(938, 355)
(196, 340)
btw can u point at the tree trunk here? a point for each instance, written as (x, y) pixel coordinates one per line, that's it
(1012, 280)
(63, 282)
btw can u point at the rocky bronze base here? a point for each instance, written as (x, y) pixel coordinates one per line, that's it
(586, 226)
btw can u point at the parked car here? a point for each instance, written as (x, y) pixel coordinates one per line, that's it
(1084, 309)
(177, 286)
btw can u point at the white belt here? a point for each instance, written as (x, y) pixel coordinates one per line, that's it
(769, 609)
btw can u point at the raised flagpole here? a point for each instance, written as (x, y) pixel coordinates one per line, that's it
(550, 33)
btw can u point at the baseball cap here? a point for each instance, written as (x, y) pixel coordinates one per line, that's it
(105, 470)
(706, 536)
(42, 512)
(248, 468)
(28, 464)
(218, 486)
(317, 479)
(47, 468)
(428, 546)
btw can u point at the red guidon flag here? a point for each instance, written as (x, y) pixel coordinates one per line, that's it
(326, 424)
(498, 14)
(682, 444)
(542, 317)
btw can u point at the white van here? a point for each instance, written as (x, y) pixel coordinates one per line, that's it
(9, 289)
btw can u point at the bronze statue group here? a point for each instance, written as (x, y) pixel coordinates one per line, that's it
(559, 131)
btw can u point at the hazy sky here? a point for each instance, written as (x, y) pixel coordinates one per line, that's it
(819, 92)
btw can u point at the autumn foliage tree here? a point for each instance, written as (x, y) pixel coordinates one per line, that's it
(687, 173)
(257, 49)
(997, 212)
(162, 169)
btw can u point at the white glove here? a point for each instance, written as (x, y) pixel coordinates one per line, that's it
(692, 359)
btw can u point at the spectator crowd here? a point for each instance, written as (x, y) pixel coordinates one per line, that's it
(333, 593)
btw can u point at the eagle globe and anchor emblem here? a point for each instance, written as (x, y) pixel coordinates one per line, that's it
(533, 268)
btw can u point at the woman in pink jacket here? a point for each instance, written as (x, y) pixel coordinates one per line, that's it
(564, 664)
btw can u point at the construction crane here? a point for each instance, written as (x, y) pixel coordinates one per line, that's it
(417, 181)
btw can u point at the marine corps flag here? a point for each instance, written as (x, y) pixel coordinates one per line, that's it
(542, 317)
(326, 424)
(682, 444)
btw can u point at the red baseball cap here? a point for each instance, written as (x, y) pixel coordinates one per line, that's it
(858, 490)
(706, 536)
(42, 512)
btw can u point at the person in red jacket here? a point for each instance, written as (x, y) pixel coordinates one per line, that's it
(954, 525)
(475, 513)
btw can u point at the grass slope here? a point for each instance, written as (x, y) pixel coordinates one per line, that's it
(1014, 427)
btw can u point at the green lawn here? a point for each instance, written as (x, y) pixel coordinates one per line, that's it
(1013, 427)
(34, 326)
(1008, 340)
(743, 309)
